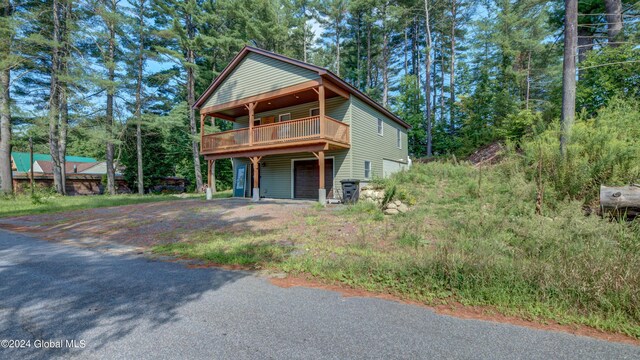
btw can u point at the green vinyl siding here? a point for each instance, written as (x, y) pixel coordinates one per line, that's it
(276, 172)
(257, 74)
(367, 145)
(276, 176)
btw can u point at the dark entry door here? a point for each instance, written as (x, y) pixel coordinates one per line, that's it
(306, 178)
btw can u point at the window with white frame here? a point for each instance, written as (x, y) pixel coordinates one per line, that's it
(380, 127)
(257, 121)
(314, 112)
(284, 117)
(367, 169)
(398, 138)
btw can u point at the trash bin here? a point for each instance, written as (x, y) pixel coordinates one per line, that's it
(350, 190)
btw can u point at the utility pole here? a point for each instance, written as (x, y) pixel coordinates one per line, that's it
(569, 73)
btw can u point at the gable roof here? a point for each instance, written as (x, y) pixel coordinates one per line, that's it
(21, 160)
(319, 70)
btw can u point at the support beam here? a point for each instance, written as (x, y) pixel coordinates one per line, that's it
(221, 116)
(322, 109)
(209, 167)
(251, 107)
(335, 89)
(322, 192)
(255, 161)
(202, 116)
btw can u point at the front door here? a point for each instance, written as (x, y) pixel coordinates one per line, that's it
(306, 178)
(241, 177)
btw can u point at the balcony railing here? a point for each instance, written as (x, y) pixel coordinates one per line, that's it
(298, 130)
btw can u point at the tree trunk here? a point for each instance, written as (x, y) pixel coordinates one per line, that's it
(368, 55)
(452, 89)
(54, 100)
(337, 48)
(427, 82)
(613, 8)
(191, 99)
(110, 150)
(65, 33)
(138, 112)
(569, 73)
(528, 89)
(6, 176)
(385, 58)
(442, 94)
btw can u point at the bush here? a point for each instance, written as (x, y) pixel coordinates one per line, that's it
(603, 150)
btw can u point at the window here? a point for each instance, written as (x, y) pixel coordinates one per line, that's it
(284, 117)
(314, 112)
(367, 169)
(256, 121)
(380, 127)
(398, 139)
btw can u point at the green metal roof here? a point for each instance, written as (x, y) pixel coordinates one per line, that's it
(21, 159)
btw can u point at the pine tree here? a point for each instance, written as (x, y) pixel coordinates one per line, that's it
(7, 61)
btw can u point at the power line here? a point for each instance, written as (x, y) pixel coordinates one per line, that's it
(607, 64)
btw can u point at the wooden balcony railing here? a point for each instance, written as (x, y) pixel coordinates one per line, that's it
(297, 130)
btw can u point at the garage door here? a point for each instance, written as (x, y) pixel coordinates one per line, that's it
(306, 178)
(390, 167)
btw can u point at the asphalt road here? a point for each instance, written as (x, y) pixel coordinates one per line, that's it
(131, 307)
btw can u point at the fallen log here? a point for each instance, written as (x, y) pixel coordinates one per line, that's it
(620, 200)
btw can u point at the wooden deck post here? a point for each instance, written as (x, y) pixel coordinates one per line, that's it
(322, 192)
(202, 116)
(251, 107)
(209, 173)
(255, 161)
(321, 107)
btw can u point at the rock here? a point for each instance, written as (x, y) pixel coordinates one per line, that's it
(391, 211)
(391, 206)
(403, 208)
(398, 202)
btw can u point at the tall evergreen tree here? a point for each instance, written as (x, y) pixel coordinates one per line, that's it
(7, 61)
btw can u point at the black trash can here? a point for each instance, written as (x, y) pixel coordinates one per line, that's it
(350, 190)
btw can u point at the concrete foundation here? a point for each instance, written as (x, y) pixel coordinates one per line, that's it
(256, 194)
(322, 196)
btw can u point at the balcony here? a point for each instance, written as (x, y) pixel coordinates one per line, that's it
(292, 133)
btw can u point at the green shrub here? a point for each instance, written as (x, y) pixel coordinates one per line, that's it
(603, 150)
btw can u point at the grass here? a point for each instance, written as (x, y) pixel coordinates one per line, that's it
(26, 205)
(469, 238)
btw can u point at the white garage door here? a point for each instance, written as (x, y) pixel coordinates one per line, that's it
(390, 167)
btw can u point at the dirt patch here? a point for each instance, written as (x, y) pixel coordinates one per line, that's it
(458, 310)
(146, 225)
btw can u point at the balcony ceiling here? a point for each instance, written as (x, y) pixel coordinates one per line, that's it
(285, 101)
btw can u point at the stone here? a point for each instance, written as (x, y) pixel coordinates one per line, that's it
(403, 208)
(391, 211)
(398, 202)
(391, 205)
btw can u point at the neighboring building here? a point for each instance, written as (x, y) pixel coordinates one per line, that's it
(298, 129)
(83, 174)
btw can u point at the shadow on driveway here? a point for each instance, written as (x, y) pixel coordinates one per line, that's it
(54, 292)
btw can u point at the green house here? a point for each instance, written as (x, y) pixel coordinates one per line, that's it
(298, 129)
(20, 161)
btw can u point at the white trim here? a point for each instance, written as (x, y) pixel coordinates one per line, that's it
(281, 115)
(370, 169)
(380, 127)
(314, 158)
(315, 108)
